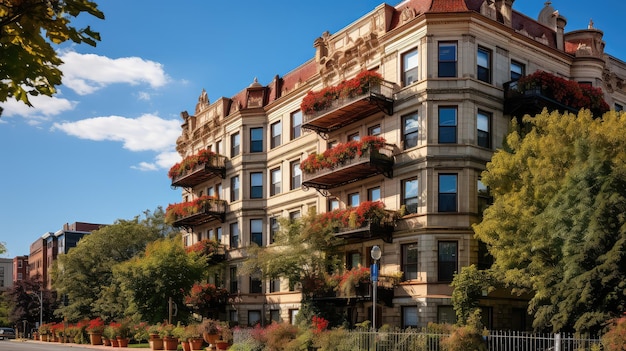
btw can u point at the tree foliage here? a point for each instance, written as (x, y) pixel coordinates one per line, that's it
(303, 252)
(557, 228)
(469, 286)
(3, 248)
(85, 273)
(164, 271)
(25, 306)
(29, 64)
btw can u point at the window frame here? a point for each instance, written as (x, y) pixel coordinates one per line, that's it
(234, 235)
(234, 188)
(447, 67)
(256, 185)
(276, 134)
(483, 73)
(410, 73)
(407, 200)
(256, 231)
(409, 133)
(371, 192)
(445, 130)
(407, 265)
(351, 197)
(296, 126)
(515, 76)
(483, 137)
(235, 144)
(256, 140)
(447, 268)
(275, 184)
(295, 176)
(274, 228)
(446, 198)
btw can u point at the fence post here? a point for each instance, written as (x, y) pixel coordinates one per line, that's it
(557, 342)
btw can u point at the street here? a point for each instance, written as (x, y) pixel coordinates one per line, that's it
(17, 345)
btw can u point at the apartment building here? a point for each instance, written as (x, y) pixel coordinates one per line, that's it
(20, 268)
(443, 105)
(6, 273)
(44, 250)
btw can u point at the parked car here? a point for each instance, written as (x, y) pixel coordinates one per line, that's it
(7, 333)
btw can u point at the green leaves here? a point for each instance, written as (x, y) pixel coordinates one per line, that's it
(557, 226)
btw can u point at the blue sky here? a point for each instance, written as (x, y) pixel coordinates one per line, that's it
(100, 149)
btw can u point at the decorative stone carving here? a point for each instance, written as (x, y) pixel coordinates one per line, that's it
(488, 9)
(203, 102)
(407, 14)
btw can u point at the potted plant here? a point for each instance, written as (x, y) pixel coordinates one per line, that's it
(166, 331)
(226, 337)
(108, 335)
(194, 336)
(210, 330)
(154, 339)
(122, 333)
(44, 332)
(95, 328)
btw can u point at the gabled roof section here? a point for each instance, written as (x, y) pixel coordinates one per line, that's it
(448, 6)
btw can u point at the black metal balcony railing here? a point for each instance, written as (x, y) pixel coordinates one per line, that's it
(367, 231)
(531, 101)
(369, 164)
(216, 167)
(210, 211)
(345, 111)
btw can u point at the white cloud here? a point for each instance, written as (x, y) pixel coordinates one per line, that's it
(146, 133)
(143, 95)
(163, 160)
(86, 73)
(43, 107)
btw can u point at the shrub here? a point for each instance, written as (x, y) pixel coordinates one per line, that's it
(615, 338)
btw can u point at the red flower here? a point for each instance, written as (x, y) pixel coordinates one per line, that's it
(341, 153)
(190, 162)
(184, 209)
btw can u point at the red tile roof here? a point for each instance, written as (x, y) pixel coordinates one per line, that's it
(448, 6)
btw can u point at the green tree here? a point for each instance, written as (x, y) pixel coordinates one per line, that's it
(557, 227)
(25, 306)
(164, 271)
(29, 64)
(85, 273)
(469, 286)
(3, 248)
(304, 251)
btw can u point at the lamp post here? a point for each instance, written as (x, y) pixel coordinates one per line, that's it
(375, 253)
(40, 298)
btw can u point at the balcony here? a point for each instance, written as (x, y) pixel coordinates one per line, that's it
(349, 102)
(198, 168)
(531, 94)
(367, 231)
(370, 163)
(190, 214)
(210, 249)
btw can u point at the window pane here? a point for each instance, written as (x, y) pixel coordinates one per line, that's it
(256, 185)
(276, 180)
(410, 67)
(234, 235)
(375, 130)
(447, 125)
(447, 60)
(447, 192)
(276, 134)
(484, 65)
(234, 188)
(410, 195)
(256, 140)
(353, 200)
(517, 70)
(373, 194)
(234, 145)
(447, 264)
(410, 131)
(409, 316)
(296, 175)
(409, 261)
(482, 125)
(296, 123)
(256, 231)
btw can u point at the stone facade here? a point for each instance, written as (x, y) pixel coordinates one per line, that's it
(447, 63)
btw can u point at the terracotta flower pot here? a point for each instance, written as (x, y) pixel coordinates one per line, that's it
(114, 342)
(170, 343)
(106, 341)
(186, 346)
(122, 342)
(156, 343)
(222, 345)
(210, 338)
(196, 343)
(95, 338)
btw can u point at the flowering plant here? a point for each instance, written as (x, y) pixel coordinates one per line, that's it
(95, 326)
(566, 92)
(350, 279)
(190, 162)
(175, 211)
(341, 153)
(319, 324)
(204, 247)
(323, 99)
(205, 296)
(355, 217)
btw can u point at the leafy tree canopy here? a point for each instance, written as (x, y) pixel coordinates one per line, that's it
(3, 248)
(303, 252)
(557, 227)
(85, 272)
(165, 271)
(29, 64)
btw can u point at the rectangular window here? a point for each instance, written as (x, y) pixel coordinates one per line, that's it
(333, 204)
(410, 194)
(353, 260)
(296, 124)
(274, 227)
(484, 197)
(294, 215)
(618, 107)
(293, 313)
(296, 175)
(483, 124)
(234, 288)
(274, 285)
(256, 139)
(373, 194)
(219, 148)
(447, 260)
(19, 263)
(483, 65)
(374, 130)
(447, 124)
(409, 67)
(218, 234)
(234, 235)
(210, 234)
(353, 200)
(254, 317)
(447, 193)
(219, 191)
(410, 130)
(447, 60)
(446, 314)
(409, 316)
(256, 185)
(276, 177)
(275, 316)
(235, 143)
(354, 137)
(256, 285)
(234, 188)
(518, 70)
(210, 191)
(277, 130)
(256, 231)
(409, 261)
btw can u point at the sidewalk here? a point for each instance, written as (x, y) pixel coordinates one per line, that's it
(86, 346)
